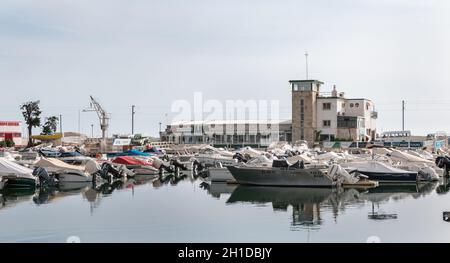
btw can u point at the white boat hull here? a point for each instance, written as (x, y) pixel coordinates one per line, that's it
(73, 177)
(220, 174)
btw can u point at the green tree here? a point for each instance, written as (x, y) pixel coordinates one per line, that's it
(31, 113)
(317, 134)
(50, 126)
(7, 143)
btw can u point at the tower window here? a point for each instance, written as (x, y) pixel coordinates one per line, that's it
(326, 123)
(326, 106)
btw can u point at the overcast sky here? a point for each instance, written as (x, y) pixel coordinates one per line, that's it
(150, 53)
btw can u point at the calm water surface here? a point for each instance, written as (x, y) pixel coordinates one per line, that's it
(184, 209)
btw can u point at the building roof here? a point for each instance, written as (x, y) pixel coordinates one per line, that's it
(331, 97)
(324, 97)
(221, 122)
(360, 99)
(307, 80)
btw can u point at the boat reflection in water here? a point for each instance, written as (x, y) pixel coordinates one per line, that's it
(305, 202)
(46, 195)
(12, 197)
(216, 189)
(308, 203)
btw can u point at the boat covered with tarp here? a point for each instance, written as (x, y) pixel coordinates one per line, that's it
(381, 172)
(14, 175)
(130, 153)
(65, 172)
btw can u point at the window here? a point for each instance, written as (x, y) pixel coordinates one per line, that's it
(367, 106)
(347, 122)
(326, 123)
(356, 105)
(351, 105)
(327, 106)
(343, 105)
(213, 126)
(326, 137)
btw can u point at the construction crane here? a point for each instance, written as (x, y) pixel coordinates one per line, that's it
(103, 116)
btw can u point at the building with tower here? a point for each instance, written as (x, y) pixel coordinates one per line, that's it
(322, 116)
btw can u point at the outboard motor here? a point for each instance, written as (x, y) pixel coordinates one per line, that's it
(44, 178)
(103, 173)
(443, 162)
(289, 153)
(240, 158)
(178, 165)
(197, 167)
(108, 168)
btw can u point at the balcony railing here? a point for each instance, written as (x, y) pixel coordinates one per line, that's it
(374, 114)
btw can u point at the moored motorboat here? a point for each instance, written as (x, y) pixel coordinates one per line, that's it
(64, 172)
(283, 174)
(381, 172)
(220, 174)
(15, 176)
(137, 166)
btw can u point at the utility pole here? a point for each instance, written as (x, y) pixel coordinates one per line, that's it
(403, 115)
(60, 124)
(79, 122)
(132, 119)
(306, 57)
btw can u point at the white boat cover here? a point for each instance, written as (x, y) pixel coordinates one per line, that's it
(424, 154)
(301, 157)
(336, 172)
(382, 151)
(260, 161)
(328, 156)
(406, 157)
(281, 146)
(8, 167)
(92, 166)
(221, 152)
(372, 166)
(56, 164)
(250, 151)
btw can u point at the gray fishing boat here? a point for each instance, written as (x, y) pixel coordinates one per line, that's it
(283, 174)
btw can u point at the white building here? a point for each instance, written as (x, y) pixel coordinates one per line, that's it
(228, 132)
(11, 130)
(342, 118)
(319, 116)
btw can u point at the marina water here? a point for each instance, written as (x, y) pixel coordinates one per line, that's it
(187, 209)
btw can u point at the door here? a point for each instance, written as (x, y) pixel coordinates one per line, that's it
(8, 136)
